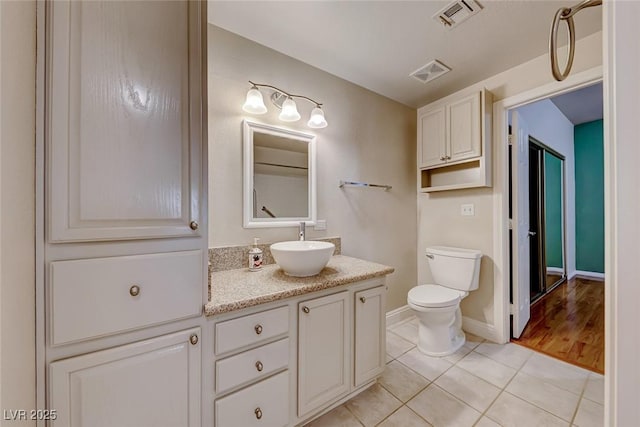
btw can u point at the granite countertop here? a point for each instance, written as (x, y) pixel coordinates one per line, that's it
(237, 289)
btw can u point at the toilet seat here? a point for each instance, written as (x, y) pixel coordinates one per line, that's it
(434, 296)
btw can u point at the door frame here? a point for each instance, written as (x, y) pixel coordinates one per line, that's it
(501, 184)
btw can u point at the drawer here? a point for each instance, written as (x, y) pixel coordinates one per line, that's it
(262, 404)
(251, 365)
(96, 297)
(251, 329)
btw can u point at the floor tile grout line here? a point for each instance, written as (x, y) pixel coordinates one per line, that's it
(575, 412)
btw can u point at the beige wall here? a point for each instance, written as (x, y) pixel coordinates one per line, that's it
(439, 219)
(17, 206)
(369, 138)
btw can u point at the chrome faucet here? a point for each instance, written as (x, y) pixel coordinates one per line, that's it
(302, 231)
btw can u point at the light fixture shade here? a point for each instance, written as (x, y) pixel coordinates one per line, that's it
(289, 111)
(254, 103)
(317, 120)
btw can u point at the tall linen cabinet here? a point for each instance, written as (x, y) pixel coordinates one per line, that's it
(122, 235)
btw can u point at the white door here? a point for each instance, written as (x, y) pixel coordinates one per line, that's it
(369, 357)
(520, 291)
(432, 137)
(124, 137)
(152, 383)
(463, 125)
(323, 351)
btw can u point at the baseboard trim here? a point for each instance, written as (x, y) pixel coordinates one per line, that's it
(588, 275)
(481, 329)
(398, 315)
(555, 270)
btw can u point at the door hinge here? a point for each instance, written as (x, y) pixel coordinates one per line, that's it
(510, 140)
(510, 224)
(511, 309)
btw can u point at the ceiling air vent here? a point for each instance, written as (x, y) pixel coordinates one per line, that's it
(457, 12)
(430, 71)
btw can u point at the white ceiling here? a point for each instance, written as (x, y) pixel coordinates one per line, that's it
(376, 44)
(581, 106)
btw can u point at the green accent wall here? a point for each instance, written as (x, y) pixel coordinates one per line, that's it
(553, 209)
(589, 167)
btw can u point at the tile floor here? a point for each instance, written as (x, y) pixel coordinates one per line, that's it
(483, 384)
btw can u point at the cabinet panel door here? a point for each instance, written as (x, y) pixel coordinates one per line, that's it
(152, 383)
(369, 357)
(431, 134)
(323, 351)
(463, 122)
(124, 142)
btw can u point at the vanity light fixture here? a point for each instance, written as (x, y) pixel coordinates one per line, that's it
(254, 104)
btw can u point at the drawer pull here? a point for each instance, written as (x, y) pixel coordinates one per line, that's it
(193, 339)
(193, 225)
(258, 329)
(134, 290)
(258, 413)
(443, 158)
(259, 366)
(363, 300)
(305, 309)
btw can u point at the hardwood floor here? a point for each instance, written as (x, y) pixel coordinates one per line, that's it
(568, 323)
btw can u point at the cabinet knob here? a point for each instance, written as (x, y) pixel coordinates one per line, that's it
(305, 309)
(258, 413)
(193, 225)
(363, 299)
(443, 158)
(193, 339)
(259, 366)
(258, 329)
(134, 290)
(448, 158)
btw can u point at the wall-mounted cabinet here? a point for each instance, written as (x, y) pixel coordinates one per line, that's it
(454, 143)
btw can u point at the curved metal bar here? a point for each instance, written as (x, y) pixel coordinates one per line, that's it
(577, 8)
(566, 13)
(553, 41)
(290, 95)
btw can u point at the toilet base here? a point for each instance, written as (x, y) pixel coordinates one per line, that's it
(439, 330)
(456, 343)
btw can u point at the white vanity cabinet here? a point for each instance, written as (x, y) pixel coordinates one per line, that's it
(323, 350)
(152, 383)
(285, 363)
(454, 142)
(122, 141)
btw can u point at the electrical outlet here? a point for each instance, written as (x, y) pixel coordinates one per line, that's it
(467, 210)
(321, 224)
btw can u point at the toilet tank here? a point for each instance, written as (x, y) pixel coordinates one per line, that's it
(455, 268)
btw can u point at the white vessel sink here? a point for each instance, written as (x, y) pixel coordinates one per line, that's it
(302, 258)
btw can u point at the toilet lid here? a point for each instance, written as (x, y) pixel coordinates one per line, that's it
(434, 296)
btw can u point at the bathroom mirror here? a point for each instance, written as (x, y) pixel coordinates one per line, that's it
(279, 176)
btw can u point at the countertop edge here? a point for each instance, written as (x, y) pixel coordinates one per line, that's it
(212, 309)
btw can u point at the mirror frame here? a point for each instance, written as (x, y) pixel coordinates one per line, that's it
(249, 128)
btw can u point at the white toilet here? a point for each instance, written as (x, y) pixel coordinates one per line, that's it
(456, 272)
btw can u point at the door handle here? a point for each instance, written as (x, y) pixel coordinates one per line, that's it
(531, 233)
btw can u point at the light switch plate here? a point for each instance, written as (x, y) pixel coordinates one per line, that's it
(467, 210)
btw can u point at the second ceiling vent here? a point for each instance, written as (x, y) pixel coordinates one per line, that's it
(458, 11)
(430, 71)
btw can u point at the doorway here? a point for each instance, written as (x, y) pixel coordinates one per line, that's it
(556, 311)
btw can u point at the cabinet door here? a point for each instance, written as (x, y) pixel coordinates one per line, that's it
(369, 354)
(323, 351)
(151, 383)
(125, 105)
(463, 123)
(431, 134)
